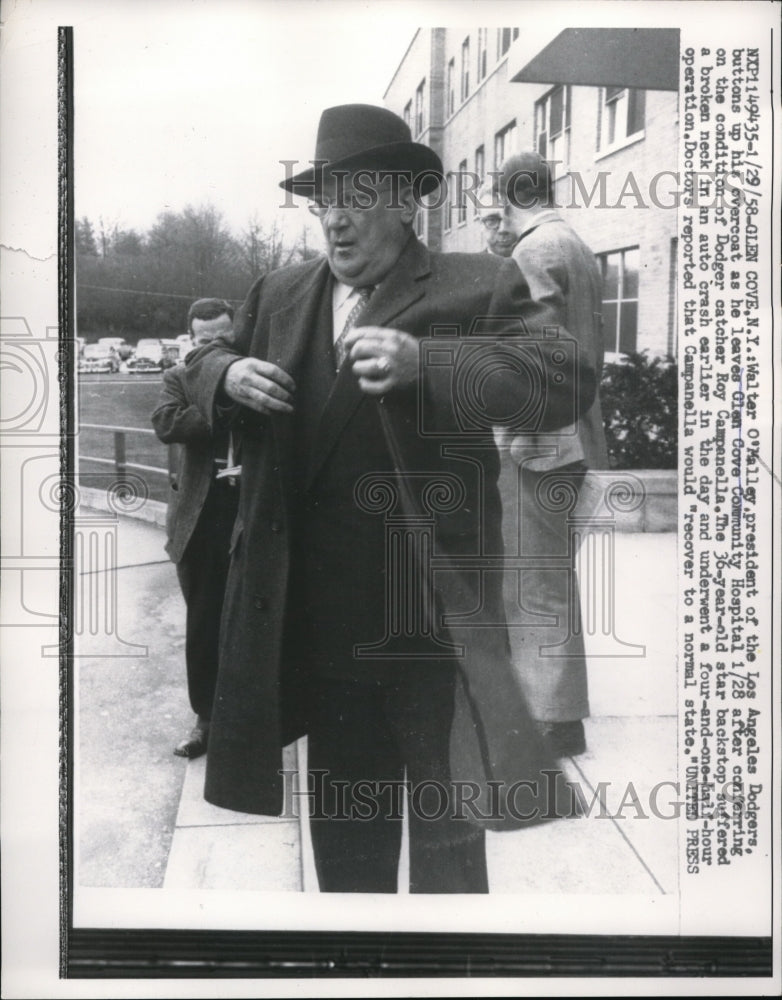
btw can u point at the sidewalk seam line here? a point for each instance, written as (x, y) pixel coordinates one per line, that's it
(621, 832)
(157, 562)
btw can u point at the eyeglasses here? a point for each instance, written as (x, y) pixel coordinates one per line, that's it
(492, 222)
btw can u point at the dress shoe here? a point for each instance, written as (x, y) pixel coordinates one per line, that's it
(194, 745)
(565, 739)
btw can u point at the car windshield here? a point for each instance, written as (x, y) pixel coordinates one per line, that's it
(96, 350)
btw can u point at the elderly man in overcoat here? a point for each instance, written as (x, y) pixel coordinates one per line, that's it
(364, 600)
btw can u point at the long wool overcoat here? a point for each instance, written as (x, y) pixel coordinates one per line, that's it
(488, 355)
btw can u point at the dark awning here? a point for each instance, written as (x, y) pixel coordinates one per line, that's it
(646, 58)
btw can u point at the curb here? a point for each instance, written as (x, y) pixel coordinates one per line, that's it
(657, 512)
(153, 511)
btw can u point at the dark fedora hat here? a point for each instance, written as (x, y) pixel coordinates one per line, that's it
(363, 136)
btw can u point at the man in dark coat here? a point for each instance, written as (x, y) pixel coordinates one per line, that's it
(364, 600)
(201, 511)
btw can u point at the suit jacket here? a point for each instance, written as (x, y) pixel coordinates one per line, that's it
(561, 272)
(302, 482)
(178, 422)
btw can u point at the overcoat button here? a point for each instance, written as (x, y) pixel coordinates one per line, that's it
(276, 526)
(259, 602)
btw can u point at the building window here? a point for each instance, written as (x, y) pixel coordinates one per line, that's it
(451, 87)
(448, 207)
(407, 114)
(480, 170)
(465, 91)
(419, 107)
(504, 37)
(552, 125)
(482, 53)
(622, 114)
(620, 300)
(461, 199)
(419, 224)
(504, 144)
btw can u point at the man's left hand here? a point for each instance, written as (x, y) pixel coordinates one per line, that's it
(382, 359)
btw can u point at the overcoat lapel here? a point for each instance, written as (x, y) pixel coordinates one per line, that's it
(405, 285)
(290, 336)
(291, 326)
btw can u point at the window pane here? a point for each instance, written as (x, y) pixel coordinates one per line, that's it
(540, 117)
(610, 264)
(630, 284)
(612, 92)
(555, 101)
(567, 107)
(611, 122)
(542, 145)
(556, 155)
(609, 326)
(635, 110)
(419, 108)
(628, 327)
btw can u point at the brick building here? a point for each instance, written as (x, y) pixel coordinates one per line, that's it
(605, 114)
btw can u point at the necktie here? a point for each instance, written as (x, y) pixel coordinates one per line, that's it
(340, 351)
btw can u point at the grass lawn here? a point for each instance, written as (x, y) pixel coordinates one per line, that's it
(120, 401)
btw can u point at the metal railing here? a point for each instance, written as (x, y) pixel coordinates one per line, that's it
(120, 461)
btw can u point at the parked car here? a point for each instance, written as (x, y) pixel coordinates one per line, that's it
(97, 359)
(120, 345)
(148, 357)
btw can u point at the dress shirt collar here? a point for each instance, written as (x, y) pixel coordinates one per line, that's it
(342, 293)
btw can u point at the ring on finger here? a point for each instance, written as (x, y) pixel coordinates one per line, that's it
(383, 366)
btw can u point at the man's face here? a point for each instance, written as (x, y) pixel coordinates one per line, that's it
(501, 233)
(364, 243)
(204, 331)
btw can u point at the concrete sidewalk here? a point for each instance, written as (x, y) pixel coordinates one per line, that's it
(142, 820)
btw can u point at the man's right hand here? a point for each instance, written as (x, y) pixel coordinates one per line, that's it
(260, 385)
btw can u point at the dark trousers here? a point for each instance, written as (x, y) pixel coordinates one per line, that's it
(202, 573)
(364, 740)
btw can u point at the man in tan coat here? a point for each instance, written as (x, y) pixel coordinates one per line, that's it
(562, 274)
